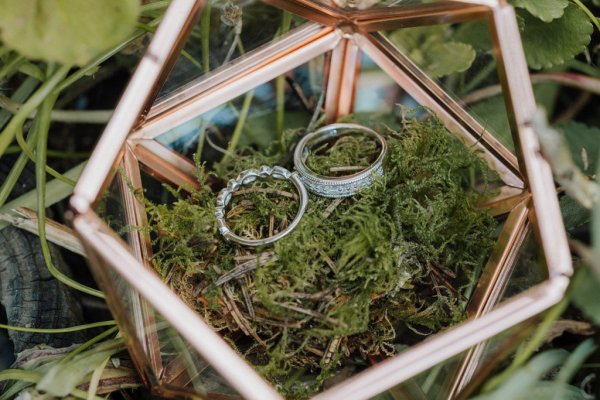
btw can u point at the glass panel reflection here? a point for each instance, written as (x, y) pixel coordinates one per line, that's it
(257, 118)
(225, 31)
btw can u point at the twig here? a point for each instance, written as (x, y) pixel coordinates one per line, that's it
(271, 225)
(238, 317)
(445, 282)
(314, 314)
(243, 281)
(346, 169)
(246, 267)
(328, 261)
(278, 192)
(582, 100)
(331, 207)
(56, 233)
(68, 116)
(577, 81)
(332, 347)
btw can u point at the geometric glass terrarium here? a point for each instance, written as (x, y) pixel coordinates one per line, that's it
(271, 66)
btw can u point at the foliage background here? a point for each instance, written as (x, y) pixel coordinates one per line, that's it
(56, 54)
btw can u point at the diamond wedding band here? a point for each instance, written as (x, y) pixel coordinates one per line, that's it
(343, 186)
(246, 177)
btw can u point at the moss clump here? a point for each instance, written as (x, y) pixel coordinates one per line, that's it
(358, 278)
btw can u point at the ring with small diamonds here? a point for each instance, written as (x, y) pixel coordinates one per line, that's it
(343, 186)
(246, 177)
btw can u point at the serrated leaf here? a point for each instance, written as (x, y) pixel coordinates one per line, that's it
(553, 43)
(69, 32)
(546, 10)
(430, 48)
(446, 58)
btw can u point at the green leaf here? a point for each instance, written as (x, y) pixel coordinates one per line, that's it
(62, 378)
(574, 214)
(430, 48)
(446, 58)
(526, 381)
(70, 32)
(546, 10)
(477, 34)
(553, 43)
(584, 292)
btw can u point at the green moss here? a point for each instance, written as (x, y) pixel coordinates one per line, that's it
(351, 282)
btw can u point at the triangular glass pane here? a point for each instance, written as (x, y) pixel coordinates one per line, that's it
(224, 32)
(253, 119)
(460, 59)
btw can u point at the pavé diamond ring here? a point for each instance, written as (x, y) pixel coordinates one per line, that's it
(246, 177)
(343, 186)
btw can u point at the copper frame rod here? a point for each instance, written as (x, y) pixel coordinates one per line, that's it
(135, 214)
(504, 202)
(165, 164)
(498, 280)
(240, 66)
(351, 66)
(311, 10)
(500, 264)
(539, 175)
(97, 261)
(235, 81)
(99, 168)
(445, 12)
(99, 238)
(452, 342)
(428, 93)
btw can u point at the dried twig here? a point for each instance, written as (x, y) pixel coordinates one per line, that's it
(331, 208)
(278, 192)
(246, 267)
(349, 168)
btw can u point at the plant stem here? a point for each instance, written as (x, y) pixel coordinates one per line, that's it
(15, 172)
(11, 67)
(34, 377)
(20, 95)
(65, 155)
(480, 77)
(286, 20)
(29, 152)
(69, 329)
(239, 127)
(55, 192)
(89, 343)
(40, 179)
(16, 123)
(67, 116)
(157, 5)
(205, 36)
(93, 65)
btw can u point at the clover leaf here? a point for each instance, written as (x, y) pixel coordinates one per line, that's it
(553, 43)
(546, 10)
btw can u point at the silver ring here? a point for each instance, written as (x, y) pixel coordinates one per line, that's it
(246, 177)
(343, 186)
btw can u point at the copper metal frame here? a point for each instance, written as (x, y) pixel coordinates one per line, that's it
(128, 141)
